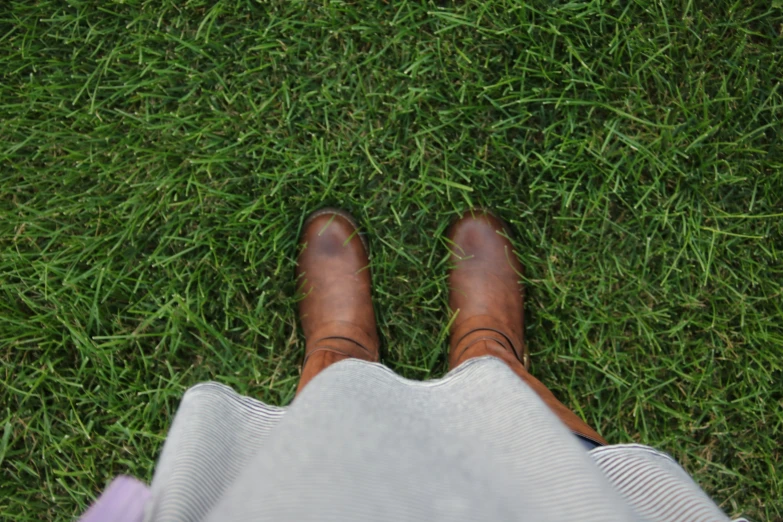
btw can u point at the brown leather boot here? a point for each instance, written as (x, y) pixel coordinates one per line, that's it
(336, 309)
(487, 297)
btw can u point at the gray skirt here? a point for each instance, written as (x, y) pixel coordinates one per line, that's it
(361, 443)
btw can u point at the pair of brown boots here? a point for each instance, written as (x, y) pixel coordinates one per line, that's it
(485, 294)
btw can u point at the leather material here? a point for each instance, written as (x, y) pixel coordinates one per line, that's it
(333, 278)
(487, 297)
(329, 335)
(484, 287)
(482, 327)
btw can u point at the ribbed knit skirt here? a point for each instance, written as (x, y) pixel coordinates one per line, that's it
(362, 444)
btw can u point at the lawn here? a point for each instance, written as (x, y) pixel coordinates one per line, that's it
(157, 160)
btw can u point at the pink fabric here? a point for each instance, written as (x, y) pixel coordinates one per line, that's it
(123, 501)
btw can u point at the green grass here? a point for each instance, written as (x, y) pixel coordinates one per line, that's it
(157, 160)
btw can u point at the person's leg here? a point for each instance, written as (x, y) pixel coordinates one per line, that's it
(335, 309)
(487, 297)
